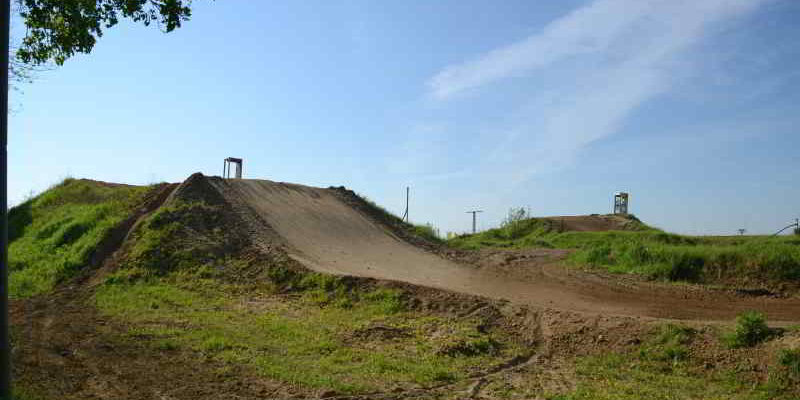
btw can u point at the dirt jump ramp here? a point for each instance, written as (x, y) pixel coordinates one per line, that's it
(327, 235)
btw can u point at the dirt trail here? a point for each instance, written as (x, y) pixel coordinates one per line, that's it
(327, 235)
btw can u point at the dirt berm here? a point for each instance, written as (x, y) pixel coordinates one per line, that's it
(323, 232)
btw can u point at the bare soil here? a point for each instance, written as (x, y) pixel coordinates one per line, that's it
(591, 223)
(326, 234)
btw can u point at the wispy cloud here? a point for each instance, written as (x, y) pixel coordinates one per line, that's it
(599, 27)
(624, 52)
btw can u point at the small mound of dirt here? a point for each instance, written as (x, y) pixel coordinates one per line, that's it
(469, 348)
(198, 188)
(595, 223)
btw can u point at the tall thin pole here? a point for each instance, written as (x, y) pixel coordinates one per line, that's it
(474, 225)
(408, 191)
(473, 222)
(5, 345)
(405, 214)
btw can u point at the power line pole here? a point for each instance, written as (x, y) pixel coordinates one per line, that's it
(405, 215)
(474, 213)
(5, 344)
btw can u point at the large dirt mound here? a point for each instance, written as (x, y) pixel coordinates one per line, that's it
(595, 223)
(320, 230)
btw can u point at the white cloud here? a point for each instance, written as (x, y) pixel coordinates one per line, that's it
(624, 52)
(595, 28)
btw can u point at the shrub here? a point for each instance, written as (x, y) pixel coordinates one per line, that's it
(797, 231)
(790, 360)
(751, 329)
(514, 225)
(427, 231)
(598, 255)
(669, 344)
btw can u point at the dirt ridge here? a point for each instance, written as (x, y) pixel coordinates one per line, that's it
(326, 230)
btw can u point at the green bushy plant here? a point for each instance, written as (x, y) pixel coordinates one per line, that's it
(669, 344)
(790, 360)
(751, 329)
(514, 226)
(427, 231)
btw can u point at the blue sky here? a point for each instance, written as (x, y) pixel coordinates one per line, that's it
(691, 106)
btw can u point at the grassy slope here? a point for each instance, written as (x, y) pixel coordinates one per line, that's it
(655, 253)
(53, 235)
(670, 364)
(179, 288)
(425, 231)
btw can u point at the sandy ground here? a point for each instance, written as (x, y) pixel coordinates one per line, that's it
(327, 235)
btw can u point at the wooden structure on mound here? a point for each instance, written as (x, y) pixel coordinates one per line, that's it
(226, 168)
(621, 203)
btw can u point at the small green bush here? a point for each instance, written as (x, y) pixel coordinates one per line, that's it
(427, 231)
(515, 226)
(751, 329)
(790, 360)
(598, 255)
(669, 344)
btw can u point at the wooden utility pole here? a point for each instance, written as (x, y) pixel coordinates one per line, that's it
(405, 214)
(474, 213)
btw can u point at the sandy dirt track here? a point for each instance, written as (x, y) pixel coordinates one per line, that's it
(327, 235)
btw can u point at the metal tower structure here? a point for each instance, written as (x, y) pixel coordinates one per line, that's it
(621, 203)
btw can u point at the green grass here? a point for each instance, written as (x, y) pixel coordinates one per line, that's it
(22, 392)
(654, 253)
(668, 345)
(427, 232)
(179, 236)
(788, 373)
(177, 290)
(54, 234)
(623, 376)
(662, 368)
(750, 329)
(316, 340)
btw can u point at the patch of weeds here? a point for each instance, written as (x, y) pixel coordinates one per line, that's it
(751, 329)
(790, 359)
(166, 345)
(614, 376)
(787, 374)
(428, 232)
(304, 342)
(23, 392)
(215, 344)
(470, 347)
(669, 344)
(181, 235)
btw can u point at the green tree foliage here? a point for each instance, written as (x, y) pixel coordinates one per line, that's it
(57, 29)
